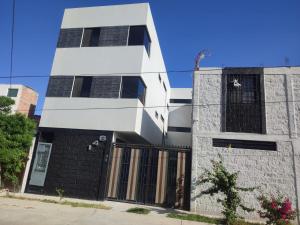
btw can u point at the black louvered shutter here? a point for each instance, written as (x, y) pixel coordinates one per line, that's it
(60, 86)
(113, 36)
(105, 87)
(69, 38)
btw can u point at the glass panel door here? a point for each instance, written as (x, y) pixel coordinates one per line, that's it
(40, 165)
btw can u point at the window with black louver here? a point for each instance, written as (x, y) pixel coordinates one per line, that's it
(59, 86)
(70, 38)
(113, 36)
(105, 87)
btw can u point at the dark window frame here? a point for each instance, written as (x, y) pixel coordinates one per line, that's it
(126, 94)
(138, 41)
(180, 129)
(181, 101)
(15, 92)
(55, 90)
(245, 144)
(67, 39)
(82, 89)
(247, 105)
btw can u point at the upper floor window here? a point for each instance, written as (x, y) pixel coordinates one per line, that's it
(82, 87)
(69, 38)
(97, 87)
(139, 35)
(133, 87)
(12, 92)
(60, 86)
(244, 106)
(105, 36)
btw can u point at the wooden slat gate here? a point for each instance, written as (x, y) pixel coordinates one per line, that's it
(146, 174)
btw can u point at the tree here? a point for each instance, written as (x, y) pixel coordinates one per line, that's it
(224, 182)
(16, 133)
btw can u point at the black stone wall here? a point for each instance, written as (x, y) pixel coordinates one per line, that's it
(81, 173)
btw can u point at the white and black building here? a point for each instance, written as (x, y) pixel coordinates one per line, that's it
(102, 90)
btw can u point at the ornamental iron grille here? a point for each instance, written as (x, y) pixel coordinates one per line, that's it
(244, 102)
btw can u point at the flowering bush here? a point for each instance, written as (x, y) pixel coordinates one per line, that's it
(277, 211)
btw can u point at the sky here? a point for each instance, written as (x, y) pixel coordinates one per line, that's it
(236, 32)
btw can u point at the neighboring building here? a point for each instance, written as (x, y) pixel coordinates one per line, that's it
(25, 98)
(251, 116)
(180, 115)
(99, 91)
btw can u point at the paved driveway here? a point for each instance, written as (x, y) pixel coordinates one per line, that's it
(23, 212)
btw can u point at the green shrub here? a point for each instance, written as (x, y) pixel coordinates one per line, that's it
(225, 183)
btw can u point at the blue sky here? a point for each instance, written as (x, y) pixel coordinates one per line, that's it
(237, 32)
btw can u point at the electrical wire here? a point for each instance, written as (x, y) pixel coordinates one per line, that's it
(12, 43)
(141, 73)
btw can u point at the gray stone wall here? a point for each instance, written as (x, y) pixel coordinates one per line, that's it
(272, 171)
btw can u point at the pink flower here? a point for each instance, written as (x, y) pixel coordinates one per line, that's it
(286, 207)
(273, 205)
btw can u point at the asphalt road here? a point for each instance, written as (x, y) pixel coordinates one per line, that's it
(27, 212)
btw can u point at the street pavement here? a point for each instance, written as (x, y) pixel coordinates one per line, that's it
(28, 212)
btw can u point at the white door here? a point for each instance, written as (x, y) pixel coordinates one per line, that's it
(40, 164)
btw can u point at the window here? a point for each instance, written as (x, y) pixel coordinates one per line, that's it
(156, 114)
(12, 92)
(105, 87)
(113, 36)
(245, 144)
(138, 35)
(180, 129)
(91, 37)
(105, 36)
(244, 107)
(185, 101)
(82, 87)
(133, 87)
(69, 38)
(162, 118)
(60, 86)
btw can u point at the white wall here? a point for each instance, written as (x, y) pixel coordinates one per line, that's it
(180, 115)
(277, 171)
(109, 61)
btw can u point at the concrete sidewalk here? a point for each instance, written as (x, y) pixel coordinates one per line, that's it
(23, 212)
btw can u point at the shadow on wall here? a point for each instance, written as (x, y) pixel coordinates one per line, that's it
(181, 116)
(149, 130)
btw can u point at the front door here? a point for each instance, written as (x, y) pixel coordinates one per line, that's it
(40, 165)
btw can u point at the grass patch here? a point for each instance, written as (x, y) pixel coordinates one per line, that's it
(84, 205)
(138, 210)
(205, 219)
(69, 203)
(194, 217)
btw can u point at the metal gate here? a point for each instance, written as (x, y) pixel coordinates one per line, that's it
(146, 174)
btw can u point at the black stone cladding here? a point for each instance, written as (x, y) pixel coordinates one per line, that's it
(72, 167)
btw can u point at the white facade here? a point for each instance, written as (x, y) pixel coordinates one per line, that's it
(180, 115)
(135, 118)
(272, 171)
